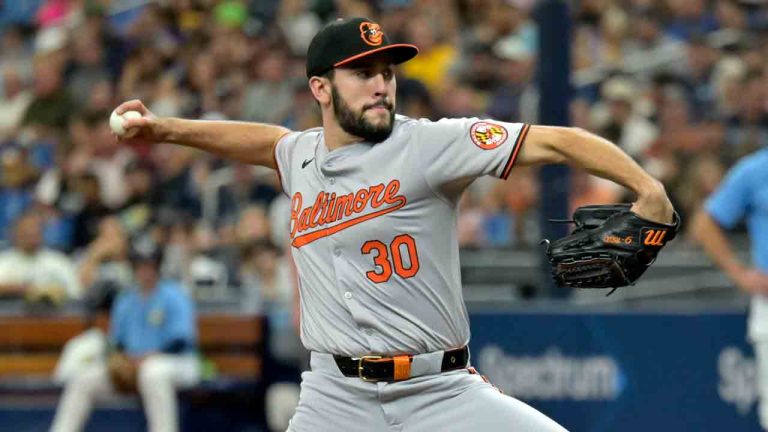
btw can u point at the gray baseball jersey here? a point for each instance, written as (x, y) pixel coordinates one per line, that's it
(373, 231)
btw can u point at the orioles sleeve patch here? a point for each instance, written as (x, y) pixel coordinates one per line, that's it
(488, 135)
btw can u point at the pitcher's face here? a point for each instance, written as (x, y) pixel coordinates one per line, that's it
(363, 97)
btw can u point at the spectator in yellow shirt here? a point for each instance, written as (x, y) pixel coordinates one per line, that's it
(435, 58)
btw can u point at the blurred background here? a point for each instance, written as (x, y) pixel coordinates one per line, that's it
(680, 85)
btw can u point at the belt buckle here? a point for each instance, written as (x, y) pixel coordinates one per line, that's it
(360, 367)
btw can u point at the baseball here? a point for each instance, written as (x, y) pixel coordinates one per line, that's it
(116, 123)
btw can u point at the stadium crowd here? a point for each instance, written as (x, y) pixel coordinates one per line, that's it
(681, 85)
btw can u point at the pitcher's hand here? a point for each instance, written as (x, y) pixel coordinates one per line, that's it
(151, 128)
(654, 205)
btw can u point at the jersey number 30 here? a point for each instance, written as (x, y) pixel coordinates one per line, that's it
(383, 270)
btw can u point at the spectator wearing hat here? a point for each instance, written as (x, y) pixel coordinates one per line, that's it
(153, 332)
(622, 123)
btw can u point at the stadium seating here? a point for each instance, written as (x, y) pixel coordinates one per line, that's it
(30, 345)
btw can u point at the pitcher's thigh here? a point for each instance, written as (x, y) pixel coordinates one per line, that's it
(334, 404)
(480, 407)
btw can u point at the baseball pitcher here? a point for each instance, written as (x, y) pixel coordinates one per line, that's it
(374, 200)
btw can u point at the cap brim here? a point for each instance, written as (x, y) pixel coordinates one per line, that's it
(399, 53)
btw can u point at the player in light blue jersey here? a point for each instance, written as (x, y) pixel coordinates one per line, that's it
(743, 197)
(154, 332)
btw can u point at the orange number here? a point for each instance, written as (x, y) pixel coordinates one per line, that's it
(381, 260)
(397, 259)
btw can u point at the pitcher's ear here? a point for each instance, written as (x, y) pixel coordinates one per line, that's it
(321, 89)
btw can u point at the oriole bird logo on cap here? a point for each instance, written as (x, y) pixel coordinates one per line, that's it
(371, 33)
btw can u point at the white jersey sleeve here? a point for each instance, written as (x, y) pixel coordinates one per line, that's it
(467, 148)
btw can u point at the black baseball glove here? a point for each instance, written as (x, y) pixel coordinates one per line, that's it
(611, 247)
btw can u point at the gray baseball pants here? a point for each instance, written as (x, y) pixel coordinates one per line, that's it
(459, 400)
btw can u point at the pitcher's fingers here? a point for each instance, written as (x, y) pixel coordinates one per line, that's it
(139, 122)
(132, 105)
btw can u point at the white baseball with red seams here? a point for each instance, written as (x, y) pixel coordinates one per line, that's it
(116, 123)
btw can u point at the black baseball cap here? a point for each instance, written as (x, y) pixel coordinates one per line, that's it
(145, 250)
(346, 40)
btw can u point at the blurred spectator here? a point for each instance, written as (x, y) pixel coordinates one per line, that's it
(200, 79)
(96, 24)
(107, 160)
(726, 82)
(14, 102)
(747, 127)
(177, 187)
(622, 124)
(512, 27)
(140, 73)
(303, 114)
(104, 269)
(295, 19)
(138, 211)
(269, 97)
(206, 273)
(414, 99)
(16, 52)
(51, 105)
(588, 190)
(17, 179)
(268, 289)
(702, 60)
(55, 12)
(32, 271)
(88, 65)
(153, 330)
(78, 197)
(516, 97)
(701, 179)
(167, 98)
(178, 246)
(651, 51)
(460, 100)
(510, 206)
(245, 188)
(481, 69)
(436, 56)
(253, 225)
(470, 224)
(352, 8)
(690, 18)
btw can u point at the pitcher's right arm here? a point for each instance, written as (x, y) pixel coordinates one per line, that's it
(251, 143)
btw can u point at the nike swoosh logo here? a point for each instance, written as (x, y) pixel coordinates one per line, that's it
(306, 162)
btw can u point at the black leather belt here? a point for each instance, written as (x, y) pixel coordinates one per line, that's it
(396, 368)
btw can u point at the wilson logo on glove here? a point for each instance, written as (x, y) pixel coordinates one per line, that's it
(654, 237)
(602, 251)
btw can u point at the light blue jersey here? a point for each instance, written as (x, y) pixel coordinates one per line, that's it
(143, 324)
(743, 195)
